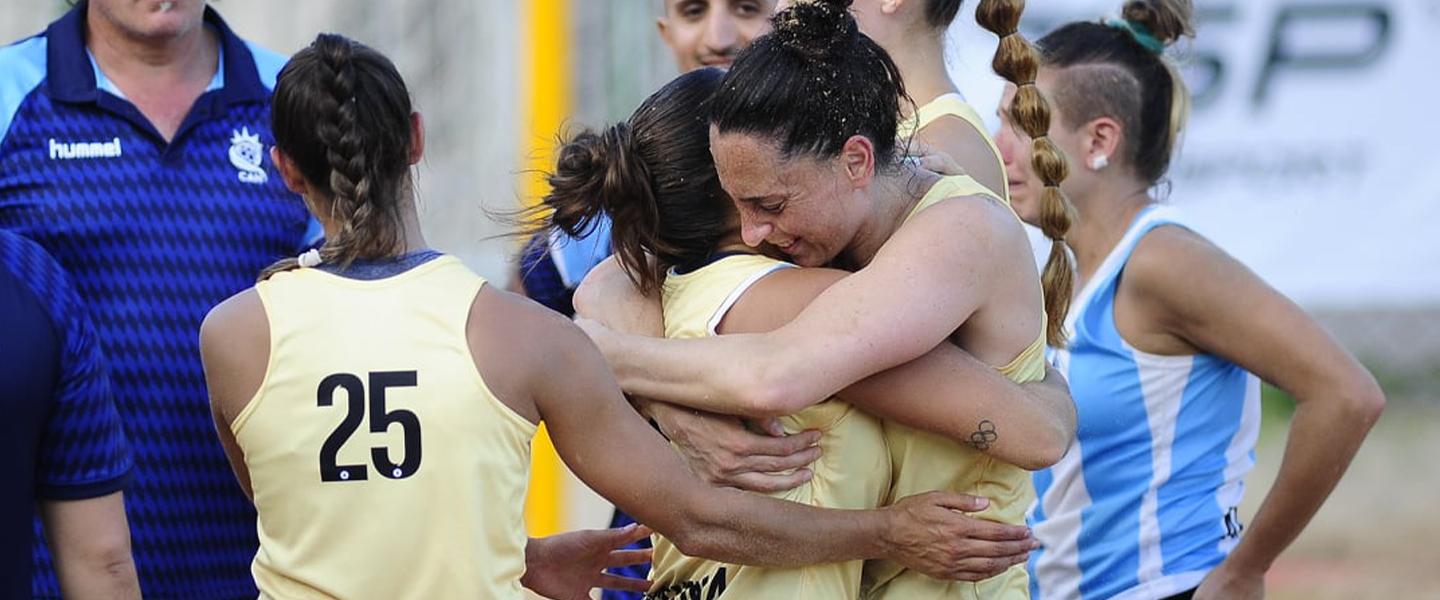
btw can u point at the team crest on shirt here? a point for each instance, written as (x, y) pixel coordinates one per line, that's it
(246, 152)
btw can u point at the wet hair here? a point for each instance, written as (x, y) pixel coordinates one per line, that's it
(341, 112)
(653, 176)
(940, 13)
(1107, 71)
(1017, 61)
(811, 84)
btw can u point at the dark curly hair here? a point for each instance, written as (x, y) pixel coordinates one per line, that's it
(812, 83)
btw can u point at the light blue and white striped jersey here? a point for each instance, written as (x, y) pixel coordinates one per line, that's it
(1145, 502)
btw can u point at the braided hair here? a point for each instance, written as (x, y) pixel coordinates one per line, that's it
(1017, 61)
(342, 113)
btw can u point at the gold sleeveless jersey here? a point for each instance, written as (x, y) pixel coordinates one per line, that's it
(853, 470)
(923, 462)
(954, 105)
(382, 465)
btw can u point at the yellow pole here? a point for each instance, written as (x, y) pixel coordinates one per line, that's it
(545, 104)
(547, 94)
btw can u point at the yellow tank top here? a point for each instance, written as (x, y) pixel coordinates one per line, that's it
(853, 470)
(923, 462)
(953, 105)
(382, 465)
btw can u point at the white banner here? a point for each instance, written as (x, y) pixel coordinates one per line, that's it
(1313, 154)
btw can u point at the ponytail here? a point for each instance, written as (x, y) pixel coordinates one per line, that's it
(1142, 89)
(1017, 62)
(599, 175)
(1179, 108)
(652, 176)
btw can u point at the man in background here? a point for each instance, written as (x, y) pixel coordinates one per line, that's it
(134, 140)
(699, 33)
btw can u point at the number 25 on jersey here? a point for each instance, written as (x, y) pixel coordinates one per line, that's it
(380, 422)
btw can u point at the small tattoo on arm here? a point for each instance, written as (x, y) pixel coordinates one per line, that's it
(984, 436)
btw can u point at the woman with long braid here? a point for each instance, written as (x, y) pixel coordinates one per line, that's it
(1165, 333)
(375, 329)
(804, 137)
(913, 33)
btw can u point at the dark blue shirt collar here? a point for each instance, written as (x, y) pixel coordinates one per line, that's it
(71, 78)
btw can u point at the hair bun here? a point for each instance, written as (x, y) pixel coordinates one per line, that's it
(581, 157)
(816, 29)
(625, 170)
(1167, 20)
(596, 172)
(574, 186)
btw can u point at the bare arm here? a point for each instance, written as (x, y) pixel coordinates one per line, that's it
(235, 350)
(607, 295)
(1337, 401)
(91, 542)
(720, 449)
(612, 450)
(850, 331)
(946, 391)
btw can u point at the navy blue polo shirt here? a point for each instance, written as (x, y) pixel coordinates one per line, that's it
(153, 234)
(61, 438)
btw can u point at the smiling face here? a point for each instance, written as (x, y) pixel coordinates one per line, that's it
(803, 206)
(709, 33)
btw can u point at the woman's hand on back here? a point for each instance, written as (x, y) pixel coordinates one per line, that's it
(933, 159)
(723, 451)
(934, 536)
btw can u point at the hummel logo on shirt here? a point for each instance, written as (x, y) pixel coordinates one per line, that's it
(74, 150)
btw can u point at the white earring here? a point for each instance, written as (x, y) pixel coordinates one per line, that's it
(1099, 162)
